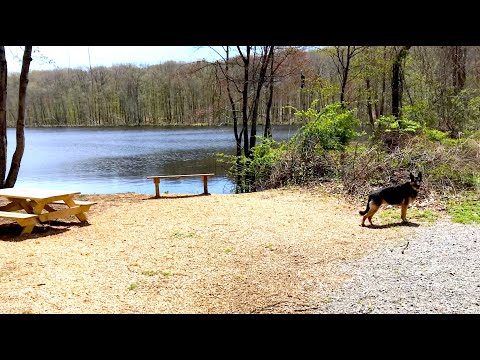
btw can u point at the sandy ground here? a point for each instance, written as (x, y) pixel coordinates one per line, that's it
(277, 251)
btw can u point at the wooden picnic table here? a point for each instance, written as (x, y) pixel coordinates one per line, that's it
(37, 206)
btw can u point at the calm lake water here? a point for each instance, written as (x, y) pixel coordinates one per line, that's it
(118, 160)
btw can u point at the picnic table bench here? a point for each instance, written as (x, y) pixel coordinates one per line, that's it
(26, 221)
(156, 179)
(37, 206)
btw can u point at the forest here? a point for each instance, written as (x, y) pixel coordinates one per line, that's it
(440, 82)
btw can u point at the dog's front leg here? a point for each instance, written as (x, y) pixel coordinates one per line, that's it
(404, 212)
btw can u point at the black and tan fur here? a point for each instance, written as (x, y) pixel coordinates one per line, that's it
(402, 195)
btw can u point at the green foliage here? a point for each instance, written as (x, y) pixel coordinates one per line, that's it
(416, 116)
(453, 173)
(253, 173)
(265, 154)
(435, 135)
(391, 131)
(464, 109)
(323, 88)
(331, 128)
(403, 125)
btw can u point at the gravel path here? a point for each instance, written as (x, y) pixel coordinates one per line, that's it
(436, 271)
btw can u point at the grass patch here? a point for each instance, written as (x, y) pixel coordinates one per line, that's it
(465, 210)
(269, 247)
(181, 235)
(156, 272)
(132, 286)
(150, 272)
(393, 214)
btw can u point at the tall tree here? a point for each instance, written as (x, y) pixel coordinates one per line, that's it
(267, 132)
(20, 128)
(397, 86)
(3, 114)
(343, 58)
(459, 61)
(247, 74)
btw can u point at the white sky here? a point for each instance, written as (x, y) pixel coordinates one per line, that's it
(51, 57)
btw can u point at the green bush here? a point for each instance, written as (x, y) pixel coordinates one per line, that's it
(331, 128)
(436, 135)
(465, 109)
(265, 155)
(404, 125)
(253, 173)
(418, 113)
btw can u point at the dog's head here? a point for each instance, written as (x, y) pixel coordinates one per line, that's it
(416, 181)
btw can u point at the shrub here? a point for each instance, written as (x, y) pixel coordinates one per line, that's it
(436, 135)
(253, 174)
(331, 128)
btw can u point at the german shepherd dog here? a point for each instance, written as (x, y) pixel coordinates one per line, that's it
(402, 195)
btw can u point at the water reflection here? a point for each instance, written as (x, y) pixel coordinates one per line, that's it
(112, 160)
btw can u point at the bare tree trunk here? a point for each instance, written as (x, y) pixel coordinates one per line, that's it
(261, 80)
(232, 106)
(238, 137)
(459, 59)
(396, 81)
(22, 95)
(268, 126)
(346, 68)
(342, 64)
(246, 63)
(384, 85)
(3, 115)
(371, 112)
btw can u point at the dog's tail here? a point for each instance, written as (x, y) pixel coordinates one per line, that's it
(368, 207)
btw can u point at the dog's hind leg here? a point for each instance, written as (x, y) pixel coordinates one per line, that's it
(404, 212)
(373, 209)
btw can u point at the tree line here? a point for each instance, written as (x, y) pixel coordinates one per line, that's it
(170, 93)
(441, 83)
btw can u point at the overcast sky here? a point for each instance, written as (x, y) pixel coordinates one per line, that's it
(51, 57)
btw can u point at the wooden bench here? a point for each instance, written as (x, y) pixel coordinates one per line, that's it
(156, 180)
(84, 205)
(27, 221)
(58, 214)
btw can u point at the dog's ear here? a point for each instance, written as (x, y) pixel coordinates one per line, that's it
(412, 178)
(420, 175)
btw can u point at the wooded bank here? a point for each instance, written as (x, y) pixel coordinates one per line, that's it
(439, 84)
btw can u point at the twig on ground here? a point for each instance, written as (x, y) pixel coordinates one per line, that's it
(408, 242)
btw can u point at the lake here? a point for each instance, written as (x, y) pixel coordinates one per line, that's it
(118, 160)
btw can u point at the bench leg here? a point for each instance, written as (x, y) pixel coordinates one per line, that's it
(27, 225)
(27, 229)
(80, 216)
(157, 187)
(205, 185)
